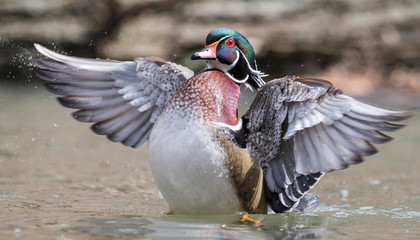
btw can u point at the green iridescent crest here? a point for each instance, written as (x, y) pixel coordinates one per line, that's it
(240, 41)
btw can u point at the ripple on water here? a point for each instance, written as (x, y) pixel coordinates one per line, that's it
(343, 211)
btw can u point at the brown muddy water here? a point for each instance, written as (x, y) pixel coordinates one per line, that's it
(58, 180)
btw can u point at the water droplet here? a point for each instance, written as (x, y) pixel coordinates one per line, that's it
(375, 182)
(17, 232)
(344, 194)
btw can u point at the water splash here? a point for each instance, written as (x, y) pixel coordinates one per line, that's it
(344, 211)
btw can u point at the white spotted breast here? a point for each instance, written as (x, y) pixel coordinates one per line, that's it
(187, 161)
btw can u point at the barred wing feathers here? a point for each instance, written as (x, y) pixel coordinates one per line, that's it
(122, 99)
(298, 129)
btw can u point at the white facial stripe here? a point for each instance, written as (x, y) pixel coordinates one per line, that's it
(237, 58)
(251, 69)
(247, 86)
(215, 64)
(234, 62)
(223, 38)
(223, 67)
(237, 80)
(256, 75)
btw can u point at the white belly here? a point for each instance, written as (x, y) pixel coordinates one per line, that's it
(189, 168)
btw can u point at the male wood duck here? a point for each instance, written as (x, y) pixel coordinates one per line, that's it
(205, 159)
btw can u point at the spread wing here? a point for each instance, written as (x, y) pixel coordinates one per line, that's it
(298, 129)
(123, 99)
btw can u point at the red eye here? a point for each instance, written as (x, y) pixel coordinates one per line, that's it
(230, 42)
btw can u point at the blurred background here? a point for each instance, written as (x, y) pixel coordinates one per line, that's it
(359, 45)
(55, 173)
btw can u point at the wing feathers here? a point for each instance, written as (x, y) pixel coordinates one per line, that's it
(73, 91)
(89, 82)
(324, 130)
(84, 63)
(270, 180)
(89, 103)
(370, 110)
(360, 133)
(278, 175)
(102, 114)
(112, 125)
(139, 125)
(124, 99)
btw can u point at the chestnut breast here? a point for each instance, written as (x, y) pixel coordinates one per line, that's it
(210, 95)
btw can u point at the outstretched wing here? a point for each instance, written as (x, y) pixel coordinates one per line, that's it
(123, 99)
(298, 129)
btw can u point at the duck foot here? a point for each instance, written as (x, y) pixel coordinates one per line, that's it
(246, 219)
(309, 202)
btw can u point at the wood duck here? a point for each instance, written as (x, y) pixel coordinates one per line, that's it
(206, 159)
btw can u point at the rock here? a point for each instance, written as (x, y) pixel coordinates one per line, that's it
(65, 21)
(341, 37)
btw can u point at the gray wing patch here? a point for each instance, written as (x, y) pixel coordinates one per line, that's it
(123, 99)
(337, 132)
(299, 129)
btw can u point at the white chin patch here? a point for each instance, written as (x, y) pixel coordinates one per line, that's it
(215, 64)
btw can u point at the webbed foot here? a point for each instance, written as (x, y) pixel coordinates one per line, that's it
(246, 219)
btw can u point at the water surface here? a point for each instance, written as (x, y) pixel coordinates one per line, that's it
(58, 180)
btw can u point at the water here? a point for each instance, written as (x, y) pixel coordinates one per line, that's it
(58, 180)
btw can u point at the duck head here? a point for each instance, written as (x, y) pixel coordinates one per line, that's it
(229, 51)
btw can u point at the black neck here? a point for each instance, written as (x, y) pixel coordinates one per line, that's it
(240, 70)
